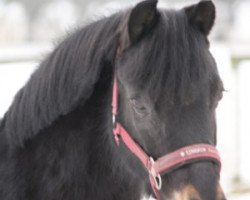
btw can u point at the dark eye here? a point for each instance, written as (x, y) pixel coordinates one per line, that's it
(138, 107)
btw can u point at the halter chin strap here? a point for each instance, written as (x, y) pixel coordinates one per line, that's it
(166, 163)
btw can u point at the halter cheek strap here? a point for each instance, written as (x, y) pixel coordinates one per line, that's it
(166, 163)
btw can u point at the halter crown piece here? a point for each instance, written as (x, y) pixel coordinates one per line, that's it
(166, 163)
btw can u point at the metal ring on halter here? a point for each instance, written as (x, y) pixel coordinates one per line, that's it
(157, 178)
(114, 120)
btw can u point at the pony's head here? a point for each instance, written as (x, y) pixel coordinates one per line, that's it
(169, 89)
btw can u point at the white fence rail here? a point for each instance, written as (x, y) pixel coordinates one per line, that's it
(23, 53)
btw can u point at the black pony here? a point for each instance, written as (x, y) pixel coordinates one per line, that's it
(56, 140)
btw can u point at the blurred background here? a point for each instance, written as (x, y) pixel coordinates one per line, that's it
(30, 28)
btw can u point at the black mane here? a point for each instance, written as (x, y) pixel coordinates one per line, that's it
(63, 81)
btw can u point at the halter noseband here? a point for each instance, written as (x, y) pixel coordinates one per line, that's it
(166, 163)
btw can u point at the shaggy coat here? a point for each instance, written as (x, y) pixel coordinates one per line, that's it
(56, 139)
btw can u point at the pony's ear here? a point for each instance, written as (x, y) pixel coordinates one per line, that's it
(141, 20)
(202, 15)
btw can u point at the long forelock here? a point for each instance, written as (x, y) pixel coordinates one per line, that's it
(172, 65)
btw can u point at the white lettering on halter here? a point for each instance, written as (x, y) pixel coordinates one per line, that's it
(212, 150)
(182, 154)
(197, 150)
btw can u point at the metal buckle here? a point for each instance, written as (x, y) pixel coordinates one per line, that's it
(157, 178)
(114, 120)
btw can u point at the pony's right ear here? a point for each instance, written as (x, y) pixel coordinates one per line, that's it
(202, 15)
(141, 20)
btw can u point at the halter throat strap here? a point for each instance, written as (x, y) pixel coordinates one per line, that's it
(166, 163)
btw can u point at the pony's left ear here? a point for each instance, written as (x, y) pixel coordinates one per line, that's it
(142, 19)
(202, 15)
